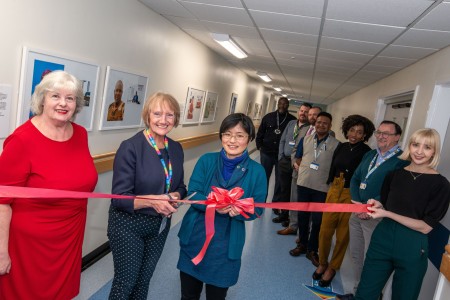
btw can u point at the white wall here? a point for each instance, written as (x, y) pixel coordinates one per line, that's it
(126, 35)
(424, 74)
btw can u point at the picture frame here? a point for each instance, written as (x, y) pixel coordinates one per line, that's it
(209, 107)
(249, 112)
(123, 99)
(193, 106)
(38, 63)
(233, 103)
(257, 111)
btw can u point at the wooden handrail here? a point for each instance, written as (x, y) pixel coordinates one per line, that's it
(104, 162)
(445, 263)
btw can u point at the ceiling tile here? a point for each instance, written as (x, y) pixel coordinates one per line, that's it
(233, 30)
(345, 56)
(338, 63)
(385, 12)
(437, 19)
(227, 3)
(167, 7)
(289, 37)
(293, 58)
(294, 49)
(361, 32)
(293, 7)
(406, 52)
(290, 23)
(424, 38)
(392, 61)
(220, 14)
(350, 45)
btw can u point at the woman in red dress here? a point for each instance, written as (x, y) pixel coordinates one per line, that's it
(41, 239)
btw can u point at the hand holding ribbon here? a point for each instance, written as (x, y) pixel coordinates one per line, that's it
(220, 198)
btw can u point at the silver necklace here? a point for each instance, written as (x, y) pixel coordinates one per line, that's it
(415, 177)
(278, 131)
(354, 147)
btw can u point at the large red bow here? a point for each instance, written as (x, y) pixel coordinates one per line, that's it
(220, 198)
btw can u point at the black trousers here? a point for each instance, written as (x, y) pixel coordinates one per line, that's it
(136, 245)
(268, 161)
(285, 178)
(307, 238)
(191, 288)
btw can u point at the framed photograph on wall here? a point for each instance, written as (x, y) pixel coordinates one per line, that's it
(257, 111)
(193, 106)
(36, 64)
(209, 107)
(123, 98)
(233, 103)
(249, 112)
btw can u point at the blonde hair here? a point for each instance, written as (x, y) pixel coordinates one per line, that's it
(160, 98)
(429, 137)
(53, 81)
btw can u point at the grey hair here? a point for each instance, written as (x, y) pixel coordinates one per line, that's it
(53, 81)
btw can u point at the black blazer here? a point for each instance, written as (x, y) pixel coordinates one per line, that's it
(138, 171)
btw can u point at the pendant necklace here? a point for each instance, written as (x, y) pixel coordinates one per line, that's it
(278, 131)
(351, 148)
(415, 177)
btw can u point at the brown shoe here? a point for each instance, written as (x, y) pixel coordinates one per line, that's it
(297, 251)
(313, 257)
(287, 231)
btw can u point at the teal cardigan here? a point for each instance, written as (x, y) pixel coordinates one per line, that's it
(375, 180)
(249, 175)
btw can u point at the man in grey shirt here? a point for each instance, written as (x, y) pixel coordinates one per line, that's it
(295, 130)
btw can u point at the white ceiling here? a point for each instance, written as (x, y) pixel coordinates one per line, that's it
(320, 50)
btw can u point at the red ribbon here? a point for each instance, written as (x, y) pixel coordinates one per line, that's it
(221, 198)
(218, 198)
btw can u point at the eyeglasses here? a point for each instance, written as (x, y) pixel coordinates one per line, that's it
(384, 134)
(226, 136)
(159, 115)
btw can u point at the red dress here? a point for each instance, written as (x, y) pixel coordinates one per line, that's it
(46, 235)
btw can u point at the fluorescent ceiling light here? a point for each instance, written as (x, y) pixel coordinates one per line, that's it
(225, 41)
(284, 95)
(278, 89)
(264, 76)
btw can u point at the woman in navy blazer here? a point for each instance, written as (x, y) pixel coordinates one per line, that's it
(148, 164)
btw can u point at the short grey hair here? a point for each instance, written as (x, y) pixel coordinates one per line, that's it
(54, 81)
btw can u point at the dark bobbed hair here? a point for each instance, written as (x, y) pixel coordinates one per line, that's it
(398, 129)
(325, 114)
(355, 120)
(234, 119)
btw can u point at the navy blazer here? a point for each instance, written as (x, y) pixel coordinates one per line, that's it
(138, 171)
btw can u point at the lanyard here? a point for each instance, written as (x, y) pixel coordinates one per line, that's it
(167, 172)
(373, 167)
(296, 131)
(322, 147)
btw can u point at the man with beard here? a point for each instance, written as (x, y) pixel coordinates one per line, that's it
(294, 131)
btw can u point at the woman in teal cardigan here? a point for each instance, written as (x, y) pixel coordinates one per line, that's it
(229, 168)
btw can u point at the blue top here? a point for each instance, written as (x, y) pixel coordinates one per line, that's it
(230, 163)
(375, 180)
(138, 171)
(221, 264)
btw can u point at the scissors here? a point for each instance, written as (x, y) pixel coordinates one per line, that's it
(187, 198)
